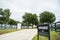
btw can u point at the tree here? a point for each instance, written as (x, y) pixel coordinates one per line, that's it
(1, 16)
(5, 18)
(34, 20)
(30, 18)
(47, 17)
(7, 15)
(13, 22)
(4, 15)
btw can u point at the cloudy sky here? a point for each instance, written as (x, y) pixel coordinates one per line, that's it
(19, 7)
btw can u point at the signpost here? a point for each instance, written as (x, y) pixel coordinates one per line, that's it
(44, 30)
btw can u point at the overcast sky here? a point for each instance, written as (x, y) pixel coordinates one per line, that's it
(19, 7)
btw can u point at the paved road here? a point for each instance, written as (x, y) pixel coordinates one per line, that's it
(26, 34)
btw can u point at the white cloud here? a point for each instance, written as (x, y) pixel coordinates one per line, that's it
(19, 7)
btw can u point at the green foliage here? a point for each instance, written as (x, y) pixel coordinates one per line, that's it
(27, 17)
(1, 16)
(30, 18)
(7, 15)
(34, 19)
(13, 22)
(47, 17)
(4, 15)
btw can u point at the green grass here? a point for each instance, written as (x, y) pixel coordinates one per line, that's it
(7, 31)
(40, 37)
(53, 36)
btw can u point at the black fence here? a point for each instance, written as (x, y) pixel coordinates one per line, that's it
(44, 29)
(7, 26)
(56, 27)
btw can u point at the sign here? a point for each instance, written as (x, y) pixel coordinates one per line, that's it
(43, 27)
(43, 30)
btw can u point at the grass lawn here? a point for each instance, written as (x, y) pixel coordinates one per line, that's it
(7, 31)
(53, 36)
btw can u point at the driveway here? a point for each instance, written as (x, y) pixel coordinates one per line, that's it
(26, 34)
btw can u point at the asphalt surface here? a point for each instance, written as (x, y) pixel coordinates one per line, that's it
(25, 34)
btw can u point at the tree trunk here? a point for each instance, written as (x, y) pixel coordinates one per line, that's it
(11, 26)
(1, 26)
(21, 26)
(32, 26)
(27, 26)
(5, 26)
(16, 26)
